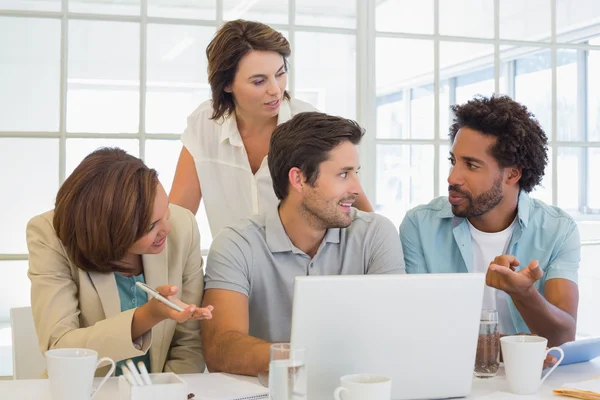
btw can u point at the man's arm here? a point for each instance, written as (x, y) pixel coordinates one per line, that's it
(385, 249)
(555, 315)
(411, 246)
(227, 345)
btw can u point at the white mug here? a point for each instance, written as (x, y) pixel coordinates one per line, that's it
(364, 386)
(71, 373)
(523, 362)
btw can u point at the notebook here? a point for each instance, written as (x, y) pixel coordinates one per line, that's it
(219, 386)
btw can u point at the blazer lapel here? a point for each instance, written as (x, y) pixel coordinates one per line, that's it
(106, 287)
(157, 274)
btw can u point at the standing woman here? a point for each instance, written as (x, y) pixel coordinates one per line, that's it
(112, 227)
(226, 142)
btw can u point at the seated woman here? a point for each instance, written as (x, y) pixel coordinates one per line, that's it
(112, 226)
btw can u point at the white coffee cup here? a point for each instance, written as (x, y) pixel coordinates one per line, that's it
(364, 386)
(524, 360)
(71, 373)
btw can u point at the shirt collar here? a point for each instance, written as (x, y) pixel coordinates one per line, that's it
(278, 240)
(523, 206)
(229, 129)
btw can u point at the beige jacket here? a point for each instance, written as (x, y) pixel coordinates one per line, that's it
(74, 308)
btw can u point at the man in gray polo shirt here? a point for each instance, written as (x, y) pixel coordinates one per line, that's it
(251, 266)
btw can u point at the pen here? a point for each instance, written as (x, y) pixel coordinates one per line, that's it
(144, 373)
(128, 376)
(134, 372)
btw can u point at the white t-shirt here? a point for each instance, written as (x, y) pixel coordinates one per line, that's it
(229, 188)
(487, 246)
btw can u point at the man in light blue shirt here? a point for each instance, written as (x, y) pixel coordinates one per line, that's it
(529, 251)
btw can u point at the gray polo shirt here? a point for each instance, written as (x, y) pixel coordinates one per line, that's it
(255, 257)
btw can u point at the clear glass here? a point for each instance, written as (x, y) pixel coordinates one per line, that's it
(129, 7)
(572, 15)
(103, 81)
(325, 72)
(391, 116)
(487, 358)
(339, 14)
(266, 11)
(30, 5)
(588, 323)
(29, 74)
(16, 294)
(29, 182)
(444, 166)
(391, 16)
(287, 373)
(533, 86)
(544, 190)
(404, 179)
(197, 9)
(176, 72)
(525, 20)
(472, 18)
(570, 169)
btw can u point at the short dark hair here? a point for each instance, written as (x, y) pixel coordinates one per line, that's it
(520, 140)
(103, 208)
(304, 142)
(231, 43)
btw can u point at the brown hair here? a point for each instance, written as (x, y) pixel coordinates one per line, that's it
(103, 207)
(231, 43)
(304, 142)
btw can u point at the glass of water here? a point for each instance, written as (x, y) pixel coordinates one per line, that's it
(287, 373)
(487, 358)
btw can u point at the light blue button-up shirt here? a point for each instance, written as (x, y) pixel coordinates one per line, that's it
(435, 241)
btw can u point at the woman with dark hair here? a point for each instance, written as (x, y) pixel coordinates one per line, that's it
(225, 144)
(112, 226)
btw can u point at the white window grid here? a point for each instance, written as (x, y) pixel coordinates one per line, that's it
(366, 35)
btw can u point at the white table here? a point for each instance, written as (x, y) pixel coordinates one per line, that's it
(38, 388)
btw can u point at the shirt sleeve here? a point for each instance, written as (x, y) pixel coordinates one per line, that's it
(386, 252)
(565, 264)
(228, 262)
(411, 246)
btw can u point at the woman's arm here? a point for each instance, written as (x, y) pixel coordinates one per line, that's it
(185, 191)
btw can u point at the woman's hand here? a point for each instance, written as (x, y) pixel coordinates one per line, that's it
(163, 311)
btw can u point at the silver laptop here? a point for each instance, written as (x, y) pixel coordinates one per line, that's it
(420, 330)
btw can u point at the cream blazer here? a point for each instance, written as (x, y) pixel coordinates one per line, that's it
(74, 308)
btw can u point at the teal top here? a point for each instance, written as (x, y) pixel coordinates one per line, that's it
(130, 297)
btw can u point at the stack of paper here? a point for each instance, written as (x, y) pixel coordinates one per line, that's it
(587, 390)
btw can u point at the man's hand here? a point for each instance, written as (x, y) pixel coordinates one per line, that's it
(502, 276)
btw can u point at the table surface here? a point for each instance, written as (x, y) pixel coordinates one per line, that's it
(39, 388)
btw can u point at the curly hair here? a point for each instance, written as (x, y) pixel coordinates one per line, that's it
(520, 140)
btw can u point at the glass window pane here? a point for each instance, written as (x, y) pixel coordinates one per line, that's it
(29, 74)
(340, 14)
(525, 20)
(593, 90)
(266, 11)
(78, 149)
(391, 16)
(162, 155)
(478, 21)
(476, 83)
(32, 182)
(17, 293)
(422, 111)
(391, 116)
(593, 187)
(30, 5)
(544, 190)
(176, 73)
(588, 323)
(325, 72)
(570, 169)
(404, 179)
(129, 7)
(566, 92)
(103, 82)
(572, 16)
(196, 9)
(533, 86)
(390, 75)
(444, 166)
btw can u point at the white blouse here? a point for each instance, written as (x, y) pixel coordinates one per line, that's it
(229, 188)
